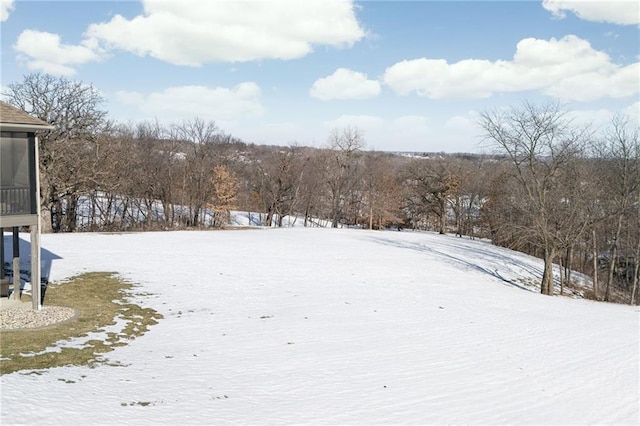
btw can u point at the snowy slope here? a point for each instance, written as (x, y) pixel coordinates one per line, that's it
(322, 326)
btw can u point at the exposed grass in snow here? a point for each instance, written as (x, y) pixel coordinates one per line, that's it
(101, 299)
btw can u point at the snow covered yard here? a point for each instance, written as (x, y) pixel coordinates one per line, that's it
(321, 326)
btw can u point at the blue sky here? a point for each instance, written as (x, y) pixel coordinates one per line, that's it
(411, 75)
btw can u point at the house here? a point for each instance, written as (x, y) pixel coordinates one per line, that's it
(19, 191)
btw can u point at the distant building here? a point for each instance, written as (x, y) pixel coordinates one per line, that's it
(20, 190)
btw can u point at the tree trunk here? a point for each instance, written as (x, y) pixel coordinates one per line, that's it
(562, 274)
(93, 211)
(546, 286)
(636, 273)
(269, 218)
(371, 216)
(123, 215)
(443, 218)
(45, 220)
(70, 214)
(569, 264)
(55, 208)
(167, 210)
(595, 264)
(195, 216)
(613, 260)
(334, 213)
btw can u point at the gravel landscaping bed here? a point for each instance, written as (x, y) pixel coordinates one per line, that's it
(20, 318)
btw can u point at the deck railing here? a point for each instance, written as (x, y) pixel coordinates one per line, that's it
(14, 200)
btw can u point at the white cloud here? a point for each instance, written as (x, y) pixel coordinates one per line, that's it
(6, 7)
(600, 120)
(42, 51)
(621, 12)
(130, 98)
(345, 84)
(218, 103)
(463, 123)
(633, 112)
(597, 85)
(194, 32)
(568, 68)
(595, 119)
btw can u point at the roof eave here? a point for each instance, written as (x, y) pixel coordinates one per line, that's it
(24, 127)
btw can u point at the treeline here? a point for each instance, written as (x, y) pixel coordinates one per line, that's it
(549, 188)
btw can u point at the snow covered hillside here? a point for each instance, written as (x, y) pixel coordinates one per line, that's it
(324, 326)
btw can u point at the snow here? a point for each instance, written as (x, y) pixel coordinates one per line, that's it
(324, 326)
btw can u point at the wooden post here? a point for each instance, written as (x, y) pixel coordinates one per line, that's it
(35, 267)
(16, 264)
(1, 253)
(36, 270)
(4, 282)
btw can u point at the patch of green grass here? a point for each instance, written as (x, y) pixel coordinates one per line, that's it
(101, 298)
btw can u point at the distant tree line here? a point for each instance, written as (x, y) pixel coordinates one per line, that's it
(549, 188)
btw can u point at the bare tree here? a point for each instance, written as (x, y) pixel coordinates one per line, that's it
(278, 179)
(74, 109)
(498, 211)
(345, 146)
(383, 190)
(201, 141)
(432, 186)
(471, 195)
(107, 165)
(572, 213)
(225, 185)
(636, 269)
(539, 143)
(620, 155)
(159, 163)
